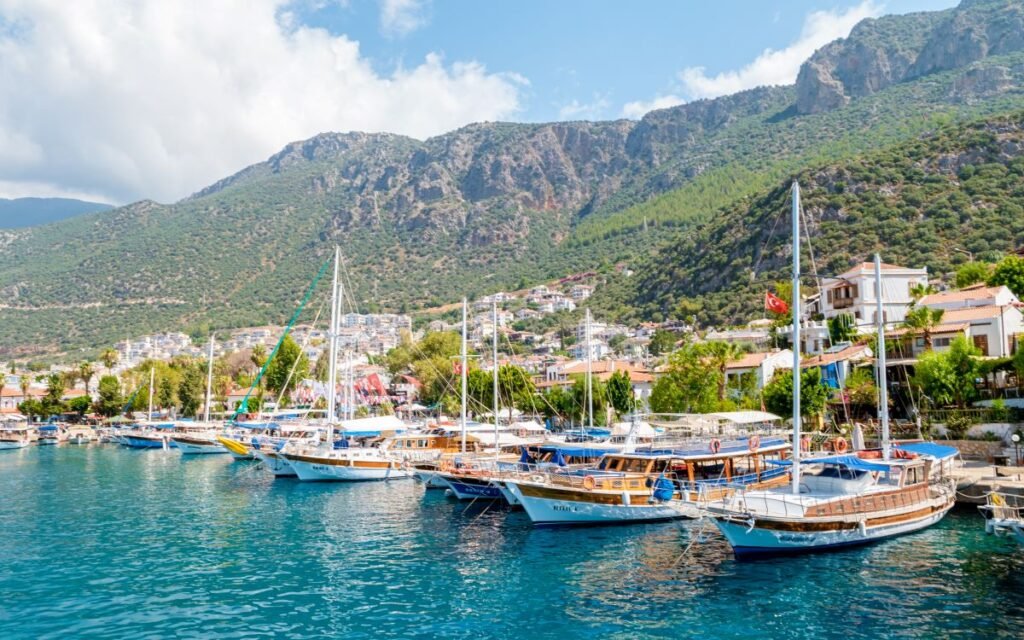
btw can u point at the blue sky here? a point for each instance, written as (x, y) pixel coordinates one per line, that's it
(127, 99)
(602, 54)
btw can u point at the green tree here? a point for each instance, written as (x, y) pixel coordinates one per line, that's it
(516, 389)
(288, 355)
(166, 396)
(53, 401)
(925, 320)
(1009, 272)
(662, 342)
(109, 400)
(860, 387)
(86, 371)
(689, 385)
(580, 402)
(972, 273)
(109, 358)
(842, 328)
(718, 355)
(620, 392)
(948, 378)
(32, 408)
(192, 390)
(814, 394)
(322, 368)
(80, 405)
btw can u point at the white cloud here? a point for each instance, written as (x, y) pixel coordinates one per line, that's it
(401, 17)
(640, 107)
(772, 67)
(779, 67)
(158, 99)
(576, 110)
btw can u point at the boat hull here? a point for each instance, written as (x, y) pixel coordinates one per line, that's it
(766, 540)
(196, 446)
(137, 442)
(47, 442)
(276, 463)
(79, 439)
(13, 444)
(314, 469)
(471, 488)
(552, 507)
(429, 479)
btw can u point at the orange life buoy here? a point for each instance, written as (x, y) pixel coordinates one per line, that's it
(588, 483)
(805, 443)
(754, 442)
(715, 445)
(840, 445)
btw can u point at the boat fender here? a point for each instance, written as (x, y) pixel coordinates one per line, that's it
(625, 498)
(862, 526)
(588, 483)
(754, 442)
(715, 445)
(840, 445)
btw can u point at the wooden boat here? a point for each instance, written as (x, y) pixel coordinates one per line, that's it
(14, 436)
(644, 486)
(839, 500)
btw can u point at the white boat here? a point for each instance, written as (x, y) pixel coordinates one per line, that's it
(1004, 515)
(841, 500)
(346, 465)
(14, 436)
(50, 435)
(195, 438)
(80, 434)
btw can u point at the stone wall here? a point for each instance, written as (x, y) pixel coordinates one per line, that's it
(975, 449)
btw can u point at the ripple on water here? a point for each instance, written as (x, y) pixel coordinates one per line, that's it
(110, 543)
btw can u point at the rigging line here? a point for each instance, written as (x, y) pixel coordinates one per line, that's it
(309, 292)
(771, 234)
(295, 365)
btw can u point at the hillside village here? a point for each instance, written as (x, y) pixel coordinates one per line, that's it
(542, 332)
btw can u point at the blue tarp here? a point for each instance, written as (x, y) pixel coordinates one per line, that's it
(850, 462)
(732, 448)
(559, 459)
(938, 451)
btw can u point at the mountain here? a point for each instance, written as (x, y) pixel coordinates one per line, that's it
(499, 205)
(27, 212)
(917, 203)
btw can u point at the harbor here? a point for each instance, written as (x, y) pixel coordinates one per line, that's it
(107, 541)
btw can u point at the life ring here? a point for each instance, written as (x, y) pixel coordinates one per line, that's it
(805, 443)
(715, 445)
(840, 445)
(754, 442)
(588, 483)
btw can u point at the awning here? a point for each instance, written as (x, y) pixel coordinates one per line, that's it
(745, 417)
(931, 449)
(850, 462)
(577, 451)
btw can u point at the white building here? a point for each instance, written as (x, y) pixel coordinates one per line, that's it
(853, 292)
(762, 365)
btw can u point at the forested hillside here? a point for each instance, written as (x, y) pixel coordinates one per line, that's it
(501, 205)
(917, 203)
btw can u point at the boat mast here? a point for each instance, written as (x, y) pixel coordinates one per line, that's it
(152, 376)
(494, 320)
(590, 373)
(796, 338)
(209, 383)
(463, 375)
(350, 391)
(332, 337)
(883, 387)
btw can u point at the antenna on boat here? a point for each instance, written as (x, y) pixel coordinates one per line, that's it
(463, 375)
(332, 369)
(796, 337)
(209, 382)
(152, 376)
(883, 389)
(494, 320)
(590, 372)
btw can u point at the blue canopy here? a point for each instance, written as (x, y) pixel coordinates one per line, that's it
(850, 462)
(48, 427)
(579, 452)
(937, 451)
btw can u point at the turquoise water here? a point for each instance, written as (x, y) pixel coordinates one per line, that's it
(111, 543)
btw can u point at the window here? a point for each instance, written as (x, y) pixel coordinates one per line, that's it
(940, 342)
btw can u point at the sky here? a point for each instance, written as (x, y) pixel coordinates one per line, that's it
(120, 100)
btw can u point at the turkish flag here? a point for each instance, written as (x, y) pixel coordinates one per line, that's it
(774, 303)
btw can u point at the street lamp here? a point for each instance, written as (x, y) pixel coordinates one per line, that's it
(1016, 448)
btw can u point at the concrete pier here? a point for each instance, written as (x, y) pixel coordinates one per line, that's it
(975, 480)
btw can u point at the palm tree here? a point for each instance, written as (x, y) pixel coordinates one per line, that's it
(719, 355)
(109, 358)
(924, 319)
(24, 382)
(85, 373)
